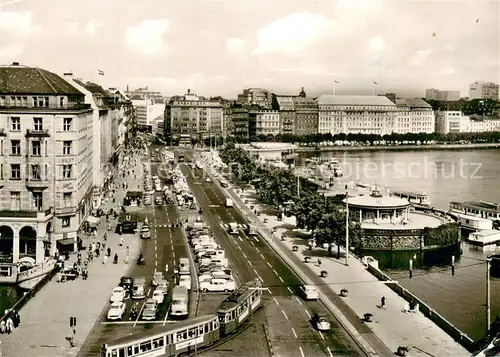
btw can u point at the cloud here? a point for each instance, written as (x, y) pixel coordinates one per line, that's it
(419, 57)
(91, 27)
(146, 38)
(18, 23)
(294, 33)
(376, 43)
(236, 46)
(88, 28)
(10, 51)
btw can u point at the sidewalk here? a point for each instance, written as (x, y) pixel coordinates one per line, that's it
(393, 327)
(45, 318)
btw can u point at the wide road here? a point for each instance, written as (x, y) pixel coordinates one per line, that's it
(164, 247)
(288, 317)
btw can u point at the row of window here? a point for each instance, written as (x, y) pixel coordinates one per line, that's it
(34, 172)
(36, 197)
(15, 124)
(22, 101)
(36, 148)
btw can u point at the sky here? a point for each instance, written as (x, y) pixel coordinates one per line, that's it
(220, 47)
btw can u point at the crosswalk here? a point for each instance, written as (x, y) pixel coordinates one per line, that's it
(160, 225)
(240, 226)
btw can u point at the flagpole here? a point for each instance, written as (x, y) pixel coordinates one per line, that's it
(334, 87)
(373, 89)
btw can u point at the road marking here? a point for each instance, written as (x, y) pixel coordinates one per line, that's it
(135, 322)
(239, 247)
(329, 352)
(269, 264)
(308, 314)
(213, 206)
(294, 333)
(256, 239)
(251, 243)
(298, 300)
(262, 256)
(240, 239)
(301, 352)
(276, 301)
(290, 290)
(275, 272)
(166, 315)
(249, 262)
(244, 254)
(281, 279)
(283, 312)
(321, 334)
(142, 307)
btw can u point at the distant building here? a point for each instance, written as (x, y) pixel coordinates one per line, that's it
(414, 116)
(47, 139)
(239, 119)
(483, 123)
(255, 96)
(146, 110)
(483, 90)
(356, 114)
(306, 115)
(193, 116)
(263, 122)
(391, 96)
(451, 121)
(286, 114)
(442, 95)
(145, 93)
(265, 151)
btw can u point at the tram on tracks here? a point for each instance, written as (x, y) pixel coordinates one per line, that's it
(193, 334)
(237, 308)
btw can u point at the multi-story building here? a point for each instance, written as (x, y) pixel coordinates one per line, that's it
(443, 95)
(483, 90)
(414, 116)
(240, 118)
(451, 121)
(227, 123)
(306, 115)
(356, 114)
(255, 96)
(263, 122)
(145, 93)
(46, 150)
(286, 114)
(482, 123)
(146, 111)
(193, 116)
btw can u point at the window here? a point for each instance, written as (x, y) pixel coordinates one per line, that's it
(38, 200)
(16, 147)
(15, 124)
(2, 101)
(36, 148)
(36, 172)
(67, 171)
(66, 147)
(15, 201)
(61, 101)
(38, 124)
(67, 124)
(1, 171)
(65, 222)
(145, 346)
(15, 172)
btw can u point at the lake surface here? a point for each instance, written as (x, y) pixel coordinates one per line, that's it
(445, 176)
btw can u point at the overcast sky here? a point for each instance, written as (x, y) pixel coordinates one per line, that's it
(220, 47)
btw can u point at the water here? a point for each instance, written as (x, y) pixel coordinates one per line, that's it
(445, 176)
(9, 295)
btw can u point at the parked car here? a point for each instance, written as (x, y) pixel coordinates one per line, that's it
(116, 310)
(217, 284)
(118, 294)
(321, 322)
(126, 282)
(150, 310)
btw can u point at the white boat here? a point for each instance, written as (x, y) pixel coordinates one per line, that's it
(27, 279)
(473, 223)
(420, 200)
(481, 209)
(484, 238)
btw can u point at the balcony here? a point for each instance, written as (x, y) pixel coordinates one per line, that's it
(65, 210)
(44, 133)
(40, 184)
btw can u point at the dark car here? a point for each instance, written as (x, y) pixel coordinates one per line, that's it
(224, 184)
(126, 282)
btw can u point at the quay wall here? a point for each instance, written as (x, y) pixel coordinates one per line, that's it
(306, 149)
(427, 310)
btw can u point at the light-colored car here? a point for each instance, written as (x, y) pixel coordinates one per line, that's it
(116, 310)
(309, 292)
(117, 295)
(163, 286)
(150, 310)
(218, 285)
(185, 281)
(158, 275)
(158, 296)
(321, 322)
(208, 179)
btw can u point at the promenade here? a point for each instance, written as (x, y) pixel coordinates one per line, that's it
(393, 327)
(45, 318)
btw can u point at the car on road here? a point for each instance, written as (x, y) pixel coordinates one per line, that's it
(126, 282)
(157, 276)
(208, 179)
(217, 285)
(145, 232)
(185, 281)
(309, 292)
(233, 228)
(150, 310)
(320, 322)
(163, 286)
(118, 294)
(158, 296)
(116, 310)
(224, 184)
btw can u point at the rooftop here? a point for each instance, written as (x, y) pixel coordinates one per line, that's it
(487, 233)
(415, 221)
(18, 79)
(418, 103)
(328, 99)
(378, 202)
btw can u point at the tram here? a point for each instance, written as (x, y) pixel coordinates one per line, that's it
(237, 308)
(168, 341)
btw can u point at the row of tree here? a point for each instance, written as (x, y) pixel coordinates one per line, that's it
(325, 217)
(468, 107)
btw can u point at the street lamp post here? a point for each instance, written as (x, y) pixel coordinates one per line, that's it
(347, 228)
(488, 295)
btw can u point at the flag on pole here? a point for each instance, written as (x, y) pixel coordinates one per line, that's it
(336, 82)
(101, 73)
(375, 83)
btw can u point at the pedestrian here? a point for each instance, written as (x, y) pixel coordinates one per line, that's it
(109, 252)
(10, 325)
(105, 237)
(121, 241)
(127, 252)
(97, 253)
(382, 302)
(104, 259)
(3, 328)
(319, 262)
(115, 259)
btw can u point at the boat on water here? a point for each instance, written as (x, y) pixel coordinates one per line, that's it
(419, 200)
(27, 273)
(474, 209)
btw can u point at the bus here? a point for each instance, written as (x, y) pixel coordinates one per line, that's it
(180, 300)
(169, 341)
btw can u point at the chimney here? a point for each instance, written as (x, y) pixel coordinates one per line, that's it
(68, 75)
(189, 91)
(15, 63)
(127, 88)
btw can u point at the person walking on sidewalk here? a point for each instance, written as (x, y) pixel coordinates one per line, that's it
(127, 252)
(121, 241)
(104, 259)
(382, 302)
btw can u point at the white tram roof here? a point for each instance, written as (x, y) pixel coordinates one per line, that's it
(158, 330)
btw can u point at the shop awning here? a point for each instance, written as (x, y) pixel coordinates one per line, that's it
(66, 241)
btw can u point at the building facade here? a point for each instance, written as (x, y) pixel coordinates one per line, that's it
(146, 111)
(451, 121)
(481, 124)
(443, 95)
(194, 116)
(484, 90)
(286, 114)
(306, 116)
(356, 114)
(46, 151)
(414, 116)
(255, 96)
(263, 122)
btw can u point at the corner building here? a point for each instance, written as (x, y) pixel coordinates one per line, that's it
(46, 148)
